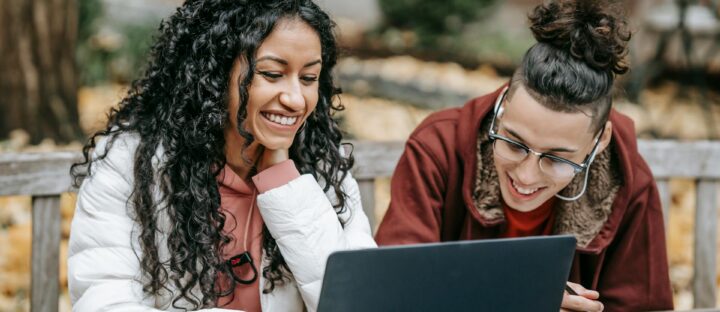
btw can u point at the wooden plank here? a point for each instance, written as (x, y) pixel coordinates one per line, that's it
(36, 173)
(367, 196)
(667, 159)
(376, 159)
(663, 186)
(704, 288)
(44, 291)
(47, 173)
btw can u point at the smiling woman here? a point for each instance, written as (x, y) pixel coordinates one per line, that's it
(219, 181)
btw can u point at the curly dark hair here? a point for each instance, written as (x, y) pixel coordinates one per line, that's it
(581, 46)
(181, 106)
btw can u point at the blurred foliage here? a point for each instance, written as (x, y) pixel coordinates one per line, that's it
(111, 53)
(433, 22)
(89, 11)
(493, 44)
(466, 32)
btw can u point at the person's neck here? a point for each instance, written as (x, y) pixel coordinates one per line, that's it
(234, 151)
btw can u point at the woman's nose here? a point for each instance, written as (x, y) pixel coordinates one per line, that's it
(292, 97)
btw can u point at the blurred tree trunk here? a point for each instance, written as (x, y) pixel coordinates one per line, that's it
(38, 76)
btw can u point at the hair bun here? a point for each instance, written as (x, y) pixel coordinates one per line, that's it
(594, 32)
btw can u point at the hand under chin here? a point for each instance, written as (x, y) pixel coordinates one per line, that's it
(271, 157)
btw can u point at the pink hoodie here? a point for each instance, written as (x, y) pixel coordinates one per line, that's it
(237, 197)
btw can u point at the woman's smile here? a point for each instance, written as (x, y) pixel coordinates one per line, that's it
(282, 120)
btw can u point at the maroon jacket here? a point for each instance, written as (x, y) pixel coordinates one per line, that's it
(442, 192)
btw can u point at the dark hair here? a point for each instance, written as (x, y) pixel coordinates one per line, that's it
(581, 46)
(180, 105)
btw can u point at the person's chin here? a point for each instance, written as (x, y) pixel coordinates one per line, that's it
(275, 143)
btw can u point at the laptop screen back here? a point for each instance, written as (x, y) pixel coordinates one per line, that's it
(520, 274)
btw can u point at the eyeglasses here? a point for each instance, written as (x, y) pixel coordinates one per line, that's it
(235, 265)
(554, 166)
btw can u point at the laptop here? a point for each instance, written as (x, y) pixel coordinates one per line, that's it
(518, 274)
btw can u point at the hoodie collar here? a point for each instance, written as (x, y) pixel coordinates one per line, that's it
(229, 183)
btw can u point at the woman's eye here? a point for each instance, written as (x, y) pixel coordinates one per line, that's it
(270, 75)
(309, 78)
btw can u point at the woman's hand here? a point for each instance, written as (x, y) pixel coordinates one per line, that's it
(271, 157)
(585, 300)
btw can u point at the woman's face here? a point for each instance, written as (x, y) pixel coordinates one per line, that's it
(523, 185)
(284, 89)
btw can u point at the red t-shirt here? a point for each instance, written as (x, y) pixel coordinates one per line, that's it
(538, 221)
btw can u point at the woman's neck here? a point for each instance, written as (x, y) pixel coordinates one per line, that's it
(235, 150)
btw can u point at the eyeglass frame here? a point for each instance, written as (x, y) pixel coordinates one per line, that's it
(492, 135)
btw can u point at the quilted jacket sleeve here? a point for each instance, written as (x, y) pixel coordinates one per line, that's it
(301, 218)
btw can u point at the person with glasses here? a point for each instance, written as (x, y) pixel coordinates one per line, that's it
(219, 182)
(544, 155)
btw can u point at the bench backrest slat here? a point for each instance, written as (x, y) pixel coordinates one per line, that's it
(663, 186)
(36, 173)
(367, 196)
(44, 286)
(704, 283)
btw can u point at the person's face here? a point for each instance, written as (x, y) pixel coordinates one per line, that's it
(523, 185)
(284, 89)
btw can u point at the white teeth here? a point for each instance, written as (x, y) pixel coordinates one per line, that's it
(524, 191)
(283, 120)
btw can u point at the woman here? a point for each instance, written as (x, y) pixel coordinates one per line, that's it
(545, 155)
(193, 197)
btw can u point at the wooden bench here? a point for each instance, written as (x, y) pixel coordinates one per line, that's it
(45, 175)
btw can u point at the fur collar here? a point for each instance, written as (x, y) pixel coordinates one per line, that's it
(583, 218)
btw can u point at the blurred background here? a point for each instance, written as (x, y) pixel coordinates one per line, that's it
(64, 63)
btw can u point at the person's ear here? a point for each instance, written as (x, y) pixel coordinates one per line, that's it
(605, 138)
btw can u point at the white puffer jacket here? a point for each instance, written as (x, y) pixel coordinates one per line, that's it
(103, 265)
